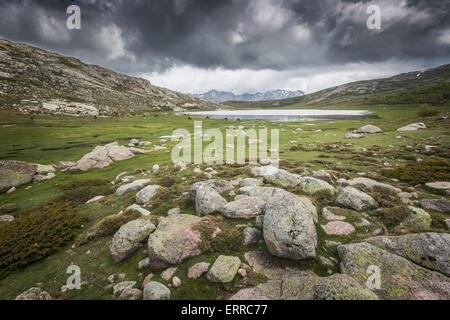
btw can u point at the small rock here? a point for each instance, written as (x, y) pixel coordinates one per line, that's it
(6, 219)
(144, 263)
(338, 228)
(168, 273)
(34, 294)
(121, 286)
(174, 211)
(369, 129)
(147, 279)
(131, 294)
(327, 214)
(242, 273)
(97, 198)
(197, 270)
(176, 282)
(156, 291)
(224, 269)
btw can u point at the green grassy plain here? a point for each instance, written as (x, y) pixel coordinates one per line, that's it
(48, 140)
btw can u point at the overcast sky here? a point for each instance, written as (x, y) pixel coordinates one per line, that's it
(239, 45)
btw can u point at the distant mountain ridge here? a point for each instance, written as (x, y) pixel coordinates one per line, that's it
(222, 96)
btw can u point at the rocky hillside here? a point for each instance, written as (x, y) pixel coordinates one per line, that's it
(430, 86)
(37, 81)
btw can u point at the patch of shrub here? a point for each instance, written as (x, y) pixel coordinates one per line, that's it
(37, 234)
(392, 217)
(422, 172)
(384, 196)
(228, 241)
(325, 198)
(7, 208)
(108, 226)
(428, 112)
(81, 195)
(85, 183)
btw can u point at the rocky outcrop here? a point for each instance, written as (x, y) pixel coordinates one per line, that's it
(130, 238)
(429, 250)
(354, 199)
(342, 287)
(400, 278)
(224, 269)
(15, 173)
(101, 157)
(174, 241)
(289, 230)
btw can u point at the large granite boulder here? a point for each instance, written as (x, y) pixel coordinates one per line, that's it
(429, 250)
(15, 173)
(440, 205)
(174, 240)
(400, 278)
(102, 156)
(354, 199)
(289, 229)
(342, 287)
(130, 238)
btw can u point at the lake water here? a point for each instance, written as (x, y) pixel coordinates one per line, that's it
(282, 115)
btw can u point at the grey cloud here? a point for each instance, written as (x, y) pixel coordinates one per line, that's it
(153, 35)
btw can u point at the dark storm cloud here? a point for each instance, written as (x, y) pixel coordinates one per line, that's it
(137, 36)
